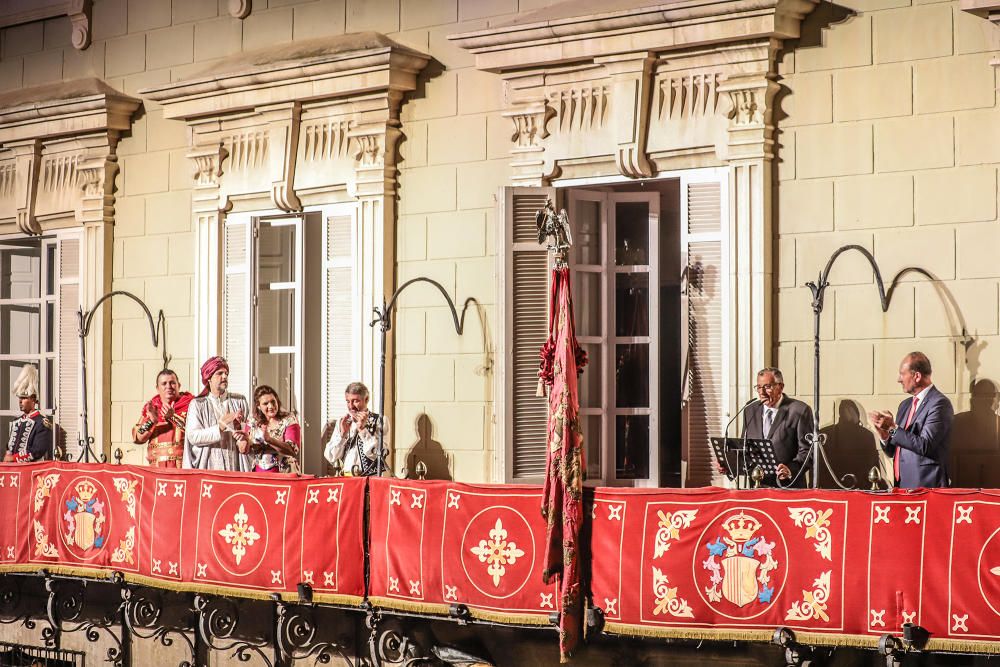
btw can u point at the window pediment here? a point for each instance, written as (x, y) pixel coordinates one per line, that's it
(331, 104)
(635, 87)
(57, 153)
(566, 32)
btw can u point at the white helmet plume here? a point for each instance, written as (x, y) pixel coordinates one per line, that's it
(26, 383)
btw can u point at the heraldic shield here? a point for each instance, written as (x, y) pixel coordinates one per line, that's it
(741, 563)
(85, 517)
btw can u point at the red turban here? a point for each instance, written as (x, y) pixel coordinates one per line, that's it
(208, 369)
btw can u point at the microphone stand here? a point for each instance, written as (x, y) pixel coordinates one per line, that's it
(744, 450)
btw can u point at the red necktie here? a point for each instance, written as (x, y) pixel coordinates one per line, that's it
(909, 420)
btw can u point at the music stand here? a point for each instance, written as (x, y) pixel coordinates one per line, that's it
(750, 453)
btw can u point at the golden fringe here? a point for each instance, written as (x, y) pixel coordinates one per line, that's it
(506, 617)
(407, 605)
(338, 598)
(802, 637)
(442, 610)
(180, 586)
(964, 646)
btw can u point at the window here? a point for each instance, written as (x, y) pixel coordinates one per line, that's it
(289, 286)
(39, 296)
(647, 342)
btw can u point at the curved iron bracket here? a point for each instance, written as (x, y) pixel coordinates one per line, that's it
(218, 619)
(64, 609)
(383, 318)
(142, 611)
(157, 331)
(818, 290)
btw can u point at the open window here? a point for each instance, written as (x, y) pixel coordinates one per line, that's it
(289, 285)
(651, 340)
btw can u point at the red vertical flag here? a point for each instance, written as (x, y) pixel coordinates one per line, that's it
(562, 499)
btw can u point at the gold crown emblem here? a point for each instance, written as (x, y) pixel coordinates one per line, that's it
(741, 527)
(85, 490)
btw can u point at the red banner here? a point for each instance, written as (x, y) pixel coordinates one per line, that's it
(834, 567)
(435, 544)
(240, 534)
(837, 568)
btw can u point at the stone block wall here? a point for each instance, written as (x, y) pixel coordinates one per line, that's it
(453, 158)
(888, 138)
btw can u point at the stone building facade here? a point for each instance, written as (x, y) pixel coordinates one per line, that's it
(264, 172)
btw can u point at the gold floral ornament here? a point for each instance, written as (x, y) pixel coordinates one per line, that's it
(127, 490)
(44, 489)
(666, 597)
(813, 604)
(42, 545)
(123, 554)
(240, 534)
(670, 528)
(816, 525)
(498, 552)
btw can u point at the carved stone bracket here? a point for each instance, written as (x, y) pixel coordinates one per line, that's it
(27, 160)
(240, 9)
(78, 11)
(632, 84)
(530, 119)
(751, 129)
(79, 16)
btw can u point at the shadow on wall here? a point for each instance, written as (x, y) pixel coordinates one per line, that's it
(850, 447)
(975, 439)
(428, 450)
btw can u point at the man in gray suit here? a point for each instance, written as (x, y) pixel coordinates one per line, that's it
(784, 421)
(917, 438)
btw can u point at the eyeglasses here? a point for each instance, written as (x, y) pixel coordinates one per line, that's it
(768, 387)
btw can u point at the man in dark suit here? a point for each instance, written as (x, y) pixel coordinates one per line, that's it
(917, 438)
(784, 421)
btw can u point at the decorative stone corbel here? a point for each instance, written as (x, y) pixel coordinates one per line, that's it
(208, 159)
(283, 128)
(96, 177)
(27, 161)
(631, 91)
(530, 119)
(751, 128)
(79, 12)
(240, 9)
(375, 155)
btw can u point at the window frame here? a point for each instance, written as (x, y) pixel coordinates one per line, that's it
(310, 276)
(504, 407)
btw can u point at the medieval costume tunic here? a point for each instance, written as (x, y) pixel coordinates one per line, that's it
(30, 438)
(266, 459)
(357, 448)
(165, 447)
(208, 447)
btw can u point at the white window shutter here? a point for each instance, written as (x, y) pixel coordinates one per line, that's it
(341, 317)
(68, 409)
(704, 337)
(238, 306)
(525, 297)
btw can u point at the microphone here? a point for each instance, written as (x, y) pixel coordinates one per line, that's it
(739, 412)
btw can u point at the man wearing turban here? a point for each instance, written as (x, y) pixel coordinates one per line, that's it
(216, 435)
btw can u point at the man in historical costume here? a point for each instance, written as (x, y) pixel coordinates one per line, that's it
(917, 438)
(161, 424)
(216, 436)
(353, 439)
(783, 420)
(31, 433)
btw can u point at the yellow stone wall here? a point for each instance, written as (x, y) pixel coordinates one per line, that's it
(453, 159)
(888, 139)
